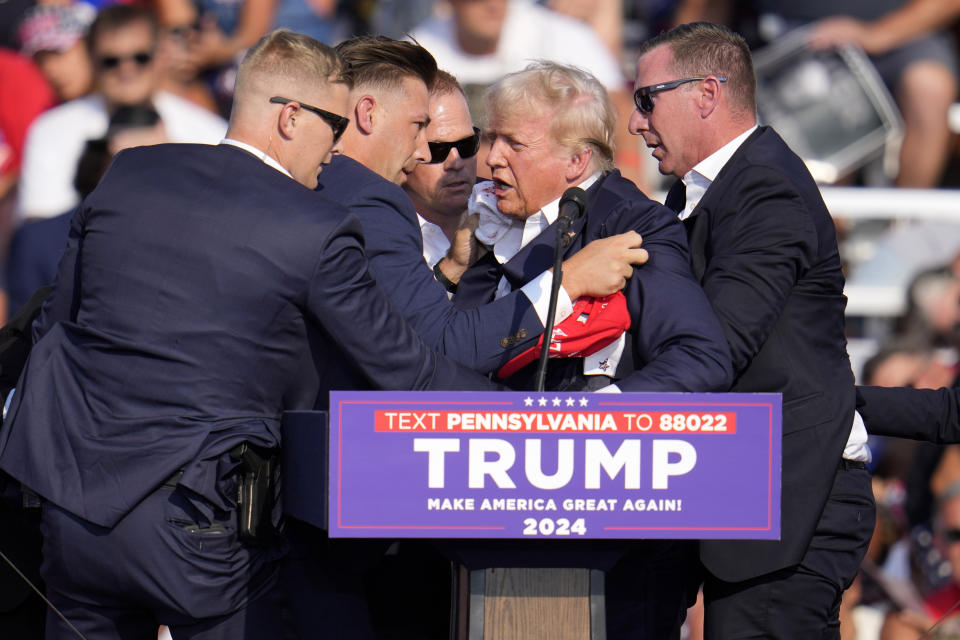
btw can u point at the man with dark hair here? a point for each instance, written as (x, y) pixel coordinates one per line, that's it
(194, 279)
(764, 248)
(385, 141)
(122, 42)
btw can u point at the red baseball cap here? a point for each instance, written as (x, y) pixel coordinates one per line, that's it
(594, 323)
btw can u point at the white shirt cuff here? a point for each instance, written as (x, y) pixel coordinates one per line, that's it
(610, 388)
(538, 291)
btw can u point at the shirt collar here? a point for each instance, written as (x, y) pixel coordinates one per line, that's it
(698, 179)
(263, 155)
(535, 224)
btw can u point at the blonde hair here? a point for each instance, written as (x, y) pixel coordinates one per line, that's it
(583, 115)
(286, 57)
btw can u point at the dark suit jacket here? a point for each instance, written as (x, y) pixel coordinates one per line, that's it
(484, 338)
(178, 321)
(35, 251)
(932, 415)
(765, 250)
(675, 342)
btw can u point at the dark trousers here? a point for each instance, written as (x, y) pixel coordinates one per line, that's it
(646, 592)
(174, 560)
(801, 602)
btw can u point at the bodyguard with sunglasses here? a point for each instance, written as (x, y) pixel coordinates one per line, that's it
(384, 144)
(122, 42)
(764, 248)
(441, 186)
(194, 279)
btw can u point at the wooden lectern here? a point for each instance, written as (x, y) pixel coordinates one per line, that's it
(496, 604)
(491, 477)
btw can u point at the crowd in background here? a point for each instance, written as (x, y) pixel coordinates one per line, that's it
(80, 81)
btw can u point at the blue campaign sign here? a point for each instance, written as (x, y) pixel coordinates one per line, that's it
(554, 464)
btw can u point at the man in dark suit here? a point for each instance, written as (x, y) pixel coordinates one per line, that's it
(551, 128)
(931, 415)
(194, 279)
(383, 144)
(764, 248)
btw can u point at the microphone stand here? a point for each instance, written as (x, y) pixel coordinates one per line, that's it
(572, 204)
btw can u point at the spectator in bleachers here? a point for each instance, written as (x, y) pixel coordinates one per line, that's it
(24, 94)
(909, 364)
(933, 307)
(904, 39)
(54, 36)
(482, 40)
(217, 35)
(909, 624)
(122, 42)
(605, 17)
(35, 248)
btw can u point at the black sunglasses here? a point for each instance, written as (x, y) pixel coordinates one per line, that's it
(643, 97)
(951, 535)
(337, 123)
(467, 148)
(142, 58)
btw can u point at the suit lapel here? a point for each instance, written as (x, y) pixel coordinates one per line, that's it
(698, 226)
(698, 223)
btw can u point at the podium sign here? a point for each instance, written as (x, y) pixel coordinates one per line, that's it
(554, 465)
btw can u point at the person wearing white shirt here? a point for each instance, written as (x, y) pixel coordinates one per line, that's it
(123, 46)
(551, 128)
(441, 186)
(764, 248)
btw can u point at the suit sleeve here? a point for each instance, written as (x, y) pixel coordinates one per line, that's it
(675, 332)
(344, 299)
(931, 415)
(769, 242)
(61, 306)
(394, 246)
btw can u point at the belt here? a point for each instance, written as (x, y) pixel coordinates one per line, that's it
(849, 465)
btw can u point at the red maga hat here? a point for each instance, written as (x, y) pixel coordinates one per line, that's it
(594, 323)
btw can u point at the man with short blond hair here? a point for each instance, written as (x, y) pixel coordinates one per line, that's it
(194, 279)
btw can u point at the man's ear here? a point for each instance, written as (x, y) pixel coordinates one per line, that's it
(287, 121)
(577, 165)
(709, 96)
(365, 113)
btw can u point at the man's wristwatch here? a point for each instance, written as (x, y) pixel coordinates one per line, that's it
(444, 280)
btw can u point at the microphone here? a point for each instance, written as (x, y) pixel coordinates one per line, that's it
(572, 204)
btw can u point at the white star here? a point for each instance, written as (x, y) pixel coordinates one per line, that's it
(584, 401)
(556, 402)
(528, 401)
(542, 402)
(570, 402)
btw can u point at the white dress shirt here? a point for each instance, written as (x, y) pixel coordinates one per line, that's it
(506, 236)
(263, 155)
(697, 181)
